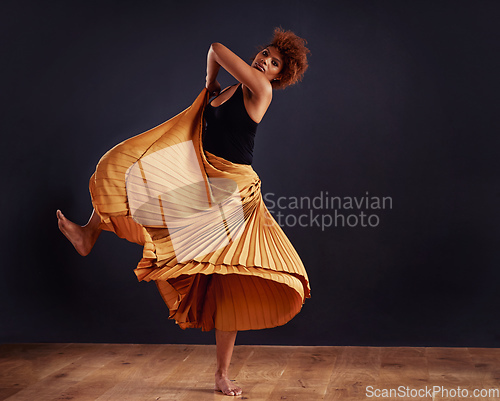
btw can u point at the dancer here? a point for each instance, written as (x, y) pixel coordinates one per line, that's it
(186, 191)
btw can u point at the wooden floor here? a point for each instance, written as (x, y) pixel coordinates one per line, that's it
(117, 372)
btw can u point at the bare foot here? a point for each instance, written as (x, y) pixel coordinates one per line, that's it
(82, 238)
(226, 386)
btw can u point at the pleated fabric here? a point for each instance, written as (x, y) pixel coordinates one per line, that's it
(216, 254)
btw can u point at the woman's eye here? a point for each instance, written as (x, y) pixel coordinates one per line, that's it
(275, 63)
(264, 53)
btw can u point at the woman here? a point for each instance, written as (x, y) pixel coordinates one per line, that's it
(187, 192)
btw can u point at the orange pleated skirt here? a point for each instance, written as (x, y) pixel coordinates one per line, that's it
(216, 254)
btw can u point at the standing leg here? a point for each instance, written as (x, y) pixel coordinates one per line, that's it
(225, 344)
(84, 237)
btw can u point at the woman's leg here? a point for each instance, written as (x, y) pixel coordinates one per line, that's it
(84, 237)
(225, 344)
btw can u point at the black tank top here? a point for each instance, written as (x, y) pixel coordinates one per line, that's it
(229, 130)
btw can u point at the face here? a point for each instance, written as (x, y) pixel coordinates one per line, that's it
(269, 62)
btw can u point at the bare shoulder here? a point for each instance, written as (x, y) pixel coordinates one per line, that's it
(257, 104)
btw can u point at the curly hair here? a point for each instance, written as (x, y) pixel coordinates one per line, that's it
(294, 53)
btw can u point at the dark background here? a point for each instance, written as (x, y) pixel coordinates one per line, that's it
(401, 100)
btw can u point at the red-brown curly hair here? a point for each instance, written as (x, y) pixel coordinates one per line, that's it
(294, 53)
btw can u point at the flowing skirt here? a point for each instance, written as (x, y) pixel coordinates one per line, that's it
(216, 254)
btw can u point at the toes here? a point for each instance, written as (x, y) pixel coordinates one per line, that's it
(227, 388)
(60, 215)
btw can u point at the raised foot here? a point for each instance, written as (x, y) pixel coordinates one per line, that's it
(226, 386)
(81, 238)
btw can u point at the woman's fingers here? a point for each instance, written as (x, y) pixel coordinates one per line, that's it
(213, 88)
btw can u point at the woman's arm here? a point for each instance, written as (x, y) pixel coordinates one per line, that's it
(220, 56)
(212, 70)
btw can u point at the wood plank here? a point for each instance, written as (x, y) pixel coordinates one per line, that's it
(142, 375)
(354, 369)
(487, 364)
(88, 358)
(405, 367)
(307, 374)
(23, 364)
(187, 373)
(122, 361)
(262, 371)
(7, 392)
(126, 372)
(450, 368)
(203, 387)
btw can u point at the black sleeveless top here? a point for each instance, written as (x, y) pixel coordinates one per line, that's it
(229, 130)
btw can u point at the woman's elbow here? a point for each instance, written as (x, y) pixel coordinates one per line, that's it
(216, 47)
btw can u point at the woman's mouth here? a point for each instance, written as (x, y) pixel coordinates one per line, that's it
(259, 67)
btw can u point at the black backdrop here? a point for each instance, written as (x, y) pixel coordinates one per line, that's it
(400, 101)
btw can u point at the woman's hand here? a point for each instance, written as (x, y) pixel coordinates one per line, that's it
(213, 88)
